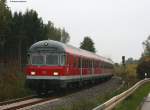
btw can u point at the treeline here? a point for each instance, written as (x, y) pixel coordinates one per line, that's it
(18, 31)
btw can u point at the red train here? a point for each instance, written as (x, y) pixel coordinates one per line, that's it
(55, 65)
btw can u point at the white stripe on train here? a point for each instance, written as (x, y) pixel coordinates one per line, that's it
(68, 77)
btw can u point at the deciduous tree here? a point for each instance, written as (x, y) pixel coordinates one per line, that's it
(146, 44)
(88, 44)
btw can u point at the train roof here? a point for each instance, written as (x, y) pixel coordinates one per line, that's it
(61, 47)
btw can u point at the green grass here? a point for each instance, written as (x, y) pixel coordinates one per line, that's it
(133, 101)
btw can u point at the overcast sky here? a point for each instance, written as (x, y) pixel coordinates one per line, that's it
(117, 27)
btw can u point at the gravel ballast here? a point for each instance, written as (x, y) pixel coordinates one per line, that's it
(99, 90)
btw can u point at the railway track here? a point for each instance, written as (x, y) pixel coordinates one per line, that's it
(17, 100)
(26, 102)
(29, 102)
(23, 102)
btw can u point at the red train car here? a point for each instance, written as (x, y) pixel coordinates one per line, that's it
(55, 65)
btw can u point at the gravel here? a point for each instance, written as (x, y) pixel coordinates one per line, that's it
(86, 94)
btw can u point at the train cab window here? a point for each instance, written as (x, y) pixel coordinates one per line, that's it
(37, 60)
(52, 59)
(62, 60)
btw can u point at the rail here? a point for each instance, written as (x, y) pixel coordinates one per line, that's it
(110, 104)
(17, 100)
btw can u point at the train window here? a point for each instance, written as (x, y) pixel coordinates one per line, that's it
(86, 63)
(52, 59)
(90, 63)
(37, 60)
(67, 59)
(98, 64)
(82, 63)
(74, 61)
(94, 64)
(62, 60)
(79, 62)
(102, 64)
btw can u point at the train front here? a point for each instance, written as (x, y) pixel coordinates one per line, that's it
(46, 65)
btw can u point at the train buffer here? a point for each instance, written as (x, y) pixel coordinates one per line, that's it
(146, 103)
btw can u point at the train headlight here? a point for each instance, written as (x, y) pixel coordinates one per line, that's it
(32, 72)
(55, 73)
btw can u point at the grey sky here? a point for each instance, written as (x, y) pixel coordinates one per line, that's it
(118, 27)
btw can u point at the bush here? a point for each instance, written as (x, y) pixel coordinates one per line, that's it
(127, 72)
(12, 84)
(143, 67)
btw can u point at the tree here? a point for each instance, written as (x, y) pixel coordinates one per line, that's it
(18, 36)
(146, 44)
(34, 27)
(57, 34)
(5, 28)
(88, 44)
(5, 21)
(52, 32)
(19, 31)
(131, 61)
(64, 36)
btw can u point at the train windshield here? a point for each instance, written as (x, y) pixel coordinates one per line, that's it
(52, 59)
(48, 59)
(55, 59)
(37, 60)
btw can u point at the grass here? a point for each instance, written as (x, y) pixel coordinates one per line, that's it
(133, 101)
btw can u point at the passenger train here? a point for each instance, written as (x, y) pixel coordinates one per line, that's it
(52, 65)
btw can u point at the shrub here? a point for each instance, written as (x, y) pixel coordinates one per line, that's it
(143, 67)
(12, 84)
